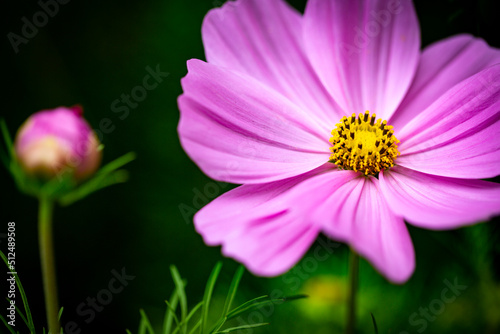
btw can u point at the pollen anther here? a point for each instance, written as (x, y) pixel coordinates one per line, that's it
(361, 144)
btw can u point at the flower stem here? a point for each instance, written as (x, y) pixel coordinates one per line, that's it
(48, 264)
(353, 286)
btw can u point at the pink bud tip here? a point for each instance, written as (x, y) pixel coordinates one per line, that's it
(53, 142)
(77, 109)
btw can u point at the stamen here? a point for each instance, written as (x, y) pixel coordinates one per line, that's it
(363, 144)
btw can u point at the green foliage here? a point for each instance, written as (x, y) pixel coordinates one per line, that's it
(187, 319)
(375, 328)
(187, 323)
(27, 318)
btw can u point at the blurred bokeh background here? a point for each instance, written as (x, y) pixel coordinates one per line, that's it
(90, 53)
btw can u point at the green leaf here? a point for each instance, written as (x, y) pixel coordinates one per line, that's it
(259, 302)
(182, 295)
(245, 306)
(60, 313)
(105, 177)
(208, 296)
(96, 183)
(128, 332)
(117, 163)
(232, 329)
(374, 323)
(291, 298)
(59, 185)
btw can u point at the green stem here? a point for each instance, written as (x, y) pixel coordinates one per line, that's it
(48, 264)
(353, 286)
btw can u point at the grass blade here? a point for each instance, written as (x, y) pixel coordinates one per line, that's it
(374, 323)
(230, 297)
(170, 313)
(232, 290)
(60, 313)
(193, 311)
(23, 317)
(6, 138)
(195, 328)
(208, 295)
(189, 316)
(5, 160)
(259, 302)
(182, 295)
(145, 321)
(142, 327)
(7, 325)
(29, 318)
(232, 329)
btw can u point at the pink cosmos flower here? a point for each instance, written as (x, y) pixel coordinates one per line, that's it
(58, 140)
(260, 112)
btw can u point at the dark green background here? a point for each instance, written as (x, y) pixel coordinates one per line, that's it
(93, 51)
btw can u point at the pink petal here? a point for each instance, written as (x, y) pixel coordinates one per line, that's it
(443, 65)
(239, 131)
(436, 202)
(263, 39)
(358, 214)
(258, 226)
(457, 136)
(365, 52)
(270, 226)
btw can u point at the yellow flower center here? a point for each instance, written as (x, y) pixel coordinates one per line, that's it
(361, 144)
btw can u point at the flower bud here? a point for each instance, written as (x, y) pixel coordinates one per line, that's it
(53, 142)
